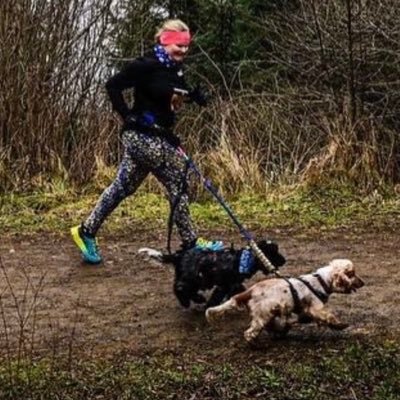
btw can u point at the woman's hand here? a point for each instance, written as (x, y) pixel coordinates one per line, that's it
(199, 96)
(176, 102)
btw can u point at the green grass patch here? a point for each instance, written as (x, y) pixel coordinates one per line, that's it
(356, 370)
(296, 208)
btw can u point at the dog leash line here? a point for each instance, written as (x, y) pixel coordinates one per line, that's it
(263, 258)
(245, 233)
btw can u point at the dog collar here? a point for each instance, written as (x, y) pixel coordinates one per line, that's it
(246, 262)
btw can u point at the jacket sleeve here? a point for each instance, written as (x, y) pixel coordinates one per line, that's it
(127, 78)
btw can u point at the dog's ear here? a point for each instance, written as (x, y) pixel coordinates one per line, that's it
(267, 246)
(271, 251)
(341, 282)
(278, 260)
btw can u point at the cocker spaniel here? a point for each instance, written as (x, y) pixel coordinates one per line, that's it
(224, 271)
(276, 304)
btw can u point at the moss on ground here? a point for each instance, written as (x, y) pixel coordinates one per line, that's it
(359, 370)
(297, 208)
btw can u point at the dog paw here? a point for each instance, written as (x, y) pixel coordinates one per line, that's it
(279, 335)
(250, 336)
(149, 253)
(211, 315)
(339, 326)
(183, 301)
(304, 319)
(279, 332)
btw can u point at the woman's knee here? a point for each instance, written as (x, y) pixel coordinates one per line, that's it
(179, 200)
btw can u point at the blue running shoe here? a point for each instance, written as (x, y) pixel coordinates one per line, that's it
(215, 245)
(87, 245)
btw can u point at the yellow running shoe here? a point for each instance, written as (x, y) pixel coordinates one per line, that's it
(87, 245)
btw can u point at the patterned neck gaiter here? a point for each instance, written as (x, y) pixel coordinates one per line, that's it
(163, 56)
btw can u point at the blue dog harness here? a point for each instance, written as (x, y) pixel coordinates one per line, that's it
(246, 262)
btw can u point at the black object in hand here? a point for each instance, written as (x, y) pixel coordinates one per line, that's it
(199, 96)
(130, 121)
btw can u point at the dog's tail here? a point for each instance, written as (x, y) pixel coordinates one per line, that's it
(158, 255)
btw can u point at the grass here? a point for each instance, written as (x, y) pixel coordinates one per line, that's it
(359, 370)
(292, 207)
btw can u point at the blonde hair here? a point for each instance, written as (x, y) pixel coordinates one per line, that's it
(175, 25)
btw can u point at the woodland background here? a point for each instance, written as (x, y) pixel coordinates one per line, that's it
(302, 91)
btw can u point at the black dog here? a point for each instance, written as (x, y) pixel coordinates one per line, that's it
(198, 270)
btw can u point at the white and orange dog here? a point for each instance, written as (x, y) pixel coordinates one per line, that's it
(276, 304)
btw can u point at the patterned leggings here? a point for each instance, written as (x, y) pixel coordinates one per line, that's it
(144, 154)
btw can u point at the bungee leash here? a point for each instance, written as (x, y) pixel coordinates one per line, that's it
(269, 268)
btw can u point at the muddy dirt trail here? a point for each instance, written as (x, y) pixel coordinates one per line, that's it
(50, 301)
